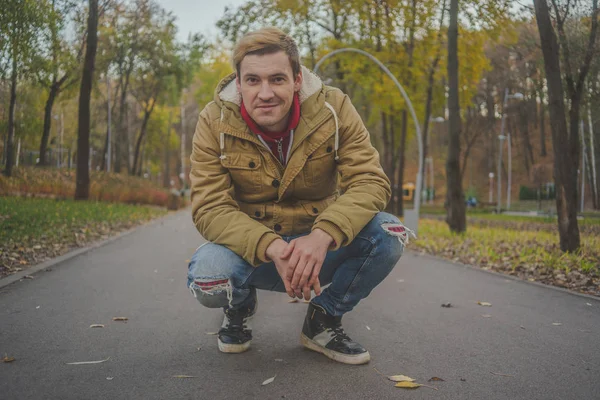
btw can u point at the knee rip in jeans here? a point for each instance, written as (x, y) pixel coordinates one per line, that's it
(398, 230)
(212, 287)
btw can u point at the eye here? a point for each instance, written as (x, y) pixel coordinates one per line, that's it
(279, 79)
(251, 80)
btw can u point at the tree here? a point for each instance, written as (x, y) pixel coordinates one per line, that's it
(20, 25)
(82, 180)
(60, 65)
(565, 137)
(455, 199)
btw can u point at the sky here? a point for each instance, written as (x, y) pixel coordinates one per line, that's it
(197, 15)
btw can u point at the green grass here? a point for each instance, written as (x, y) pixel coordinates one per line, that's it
(506, 249)
(29, 220)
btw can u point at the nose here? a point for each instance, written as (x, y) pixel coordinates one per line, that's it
(266, 93)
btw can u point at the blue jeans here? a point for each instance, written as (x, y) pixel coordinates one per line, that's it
(218, 277)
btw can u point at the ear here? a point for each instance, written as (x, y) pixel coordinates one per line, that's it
(298, 82)
(238, 84)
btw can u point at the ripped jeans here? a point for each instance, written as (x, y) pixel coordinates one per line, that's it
(218, 277)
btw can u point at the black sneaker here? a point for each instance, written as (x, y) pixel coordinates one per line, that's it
(323, 333)
(235, 334)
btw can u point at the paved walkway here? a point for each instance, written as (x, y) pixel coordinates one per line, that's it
(518, 352)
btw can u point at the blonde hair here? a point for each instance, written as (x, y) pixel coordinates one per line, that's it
(266, 41)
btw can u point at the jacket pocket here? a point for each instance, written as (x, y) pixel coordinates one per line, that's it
(314, 208)
(320, 166)
(255, 211)
(245, 170)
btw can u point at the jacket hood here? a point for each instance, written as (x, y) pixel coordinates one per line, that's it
(226, 90)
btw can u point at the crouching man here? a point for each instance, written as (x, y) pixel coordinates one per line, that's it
(289, 192)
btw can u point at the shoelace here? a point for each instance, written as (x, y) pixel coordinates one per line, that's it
(340, 335)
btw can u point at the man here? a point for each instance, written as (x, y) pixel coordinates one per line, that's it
(271, 154)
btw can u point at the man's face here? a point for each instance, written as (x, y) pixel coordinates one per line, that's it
(267, 85)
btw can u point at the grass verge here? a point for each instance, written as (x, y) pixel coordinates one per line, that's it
(528, 251)
(33, 230)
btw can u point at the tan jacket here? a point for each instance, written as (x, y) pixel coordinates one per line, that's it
(244, 199)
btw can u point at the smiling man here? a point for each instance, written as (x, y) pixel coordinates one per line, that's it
(289, 193)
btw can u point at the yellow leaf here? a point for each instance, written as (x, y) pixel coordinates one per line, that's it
(408, 385)
(8, 359)
(400, 378)
(484, 303)
(120, 319)
(97, 326)
(293, 301)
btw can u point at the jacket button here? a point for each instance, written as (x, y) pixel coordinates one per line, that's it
(277, 227)
(252, 164)
(329, 149)
(315, 210)
(257, 214)
(275, 183)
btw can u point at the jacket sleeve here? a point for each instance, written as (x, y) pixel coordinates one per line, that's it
(216, 214)
(365, 187)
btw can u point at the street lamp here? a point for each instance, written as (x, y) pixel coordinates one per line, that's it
(517, 96)
(411, 217)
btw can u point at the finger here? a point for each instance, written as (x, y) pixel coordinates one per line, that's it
(298, 273)
(315, 272)
(306, 274)
(298, 293)
(288, 249)
(306, 292)
(292, 265)
(317, 287)
(288, 288)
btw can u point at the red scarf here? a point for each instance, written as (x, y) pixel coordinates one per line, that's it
(273, 138)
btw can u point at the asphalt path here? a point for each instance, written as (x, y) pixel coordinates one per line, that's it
(533, 342)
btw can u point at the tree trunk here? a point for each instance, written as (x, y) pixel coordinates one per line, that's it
(47, 124)
(10, 153)
(138, 143)
(82, 180)
(455, 199)
(401, 163)
(167, 176)
(565, 168)
(543, 151)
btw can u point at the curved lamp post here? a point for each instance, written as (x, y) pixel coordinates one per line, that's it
(411, 217)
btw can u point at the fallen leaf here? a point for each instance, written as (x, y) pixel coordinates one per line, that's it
(198, 348)
(187, 261)
(447, 305)
(400, 378)
(306, 301)
(292, 300)
(183, 376)
(484, 303)
(31, 277)
(556, 323)
(270, 380)
(486, 316)
(120, 318)
(408, 385)
(522, 327)
(109, 378)
(368, 327)
(463, 380)
(97, 326)
(37, 308)
(8, 359)
(435, 378)
(88, 362)
(588, 304)
(212, 333)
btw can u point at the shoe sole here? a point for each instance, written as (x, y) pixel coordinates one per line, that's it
(353, 359)
(233, 348)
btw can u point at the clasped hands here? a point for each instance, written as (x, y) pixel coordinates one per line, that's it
(299, 262)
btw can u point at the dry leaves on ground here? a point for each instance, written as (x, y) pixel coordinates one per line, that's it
(484, 303)
(88, 362)
(123, 319)
(8, 359)
(97, 326)
(270, 380)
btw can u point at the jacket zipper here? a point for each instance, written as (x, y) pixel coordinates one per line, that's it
(280, 150)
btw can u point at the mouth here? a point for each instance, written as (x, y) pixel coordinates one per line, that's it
(267, 107)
